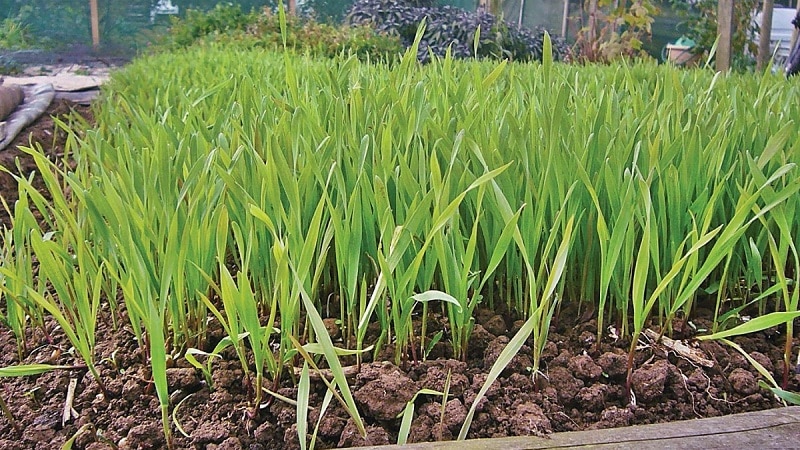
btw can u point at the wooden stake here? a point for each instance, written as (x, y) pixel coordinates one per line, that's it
(95, 23)
(764, 35)
(724, 34)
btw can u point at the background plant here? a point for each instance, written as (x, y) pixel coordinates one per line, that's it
(228, 23)
(14, 35)
(617, 30)
(452, 29)
(700, 24)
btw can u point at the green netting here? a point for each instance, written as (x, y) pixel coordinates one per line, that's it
(132, 24)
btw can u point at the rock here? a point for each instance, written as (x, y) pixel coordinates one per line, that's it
(385, 396)
(648, 381)
(743, 381)
(529, 419)
(584, 367)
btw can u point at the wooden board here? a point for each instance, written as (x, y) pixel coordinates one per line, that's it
(771, 429)
(66, 82)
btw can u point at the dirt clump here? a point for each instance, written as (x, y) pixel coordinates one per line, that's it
(648, 382)
(529, 419)
(743, 381)
(584, 367)
(385, 390)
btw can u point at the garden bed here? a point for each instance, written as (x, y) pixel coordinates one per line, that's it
(214, 161)
(584, 389)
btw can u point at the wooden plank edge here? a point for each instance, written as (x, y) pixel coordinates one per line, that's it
(769, 424)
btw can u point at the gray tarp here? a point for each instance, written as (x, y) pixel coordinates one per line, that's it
(37, 99)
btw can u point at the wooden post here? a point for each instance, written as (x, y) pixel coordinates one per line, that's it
(592, 38)
(764, 35)
(565, 19)
(724, 34)
(95, 18)
(293, 7)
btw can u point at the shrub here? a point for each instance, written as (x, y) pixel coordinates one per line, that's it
(452, 28)
(223, 19)
(14, 35)
(228, 24)
(620, 32)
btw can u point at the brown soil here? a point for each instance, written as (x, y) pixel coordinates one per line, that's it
(582, 387)
(43, 132)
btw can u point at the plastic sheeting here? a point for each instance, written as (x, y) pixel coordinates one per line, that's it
(37, 98)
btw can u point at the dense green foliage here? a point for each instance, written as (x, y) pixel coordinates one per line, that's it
(256, 188)
(13, 35)
(229, 24)
(463, 33)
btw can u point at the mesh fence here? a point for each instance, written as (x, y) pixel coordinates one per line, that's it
(131, 24)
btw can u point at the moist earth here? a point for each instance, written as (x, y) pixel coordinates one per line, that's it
(581, 384)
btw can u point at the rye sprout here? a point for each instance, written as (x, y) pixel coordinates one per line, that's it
(252, 188)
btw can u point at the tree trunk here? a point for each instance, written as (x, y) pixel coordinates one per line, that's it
(724, 34)
(95, 19)
(764, 35)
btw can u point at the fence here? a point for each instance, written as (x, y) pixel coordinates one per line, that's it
(129, 25)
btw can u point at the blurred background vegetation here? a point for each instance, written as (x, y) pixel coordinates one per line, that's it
(130, 26)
